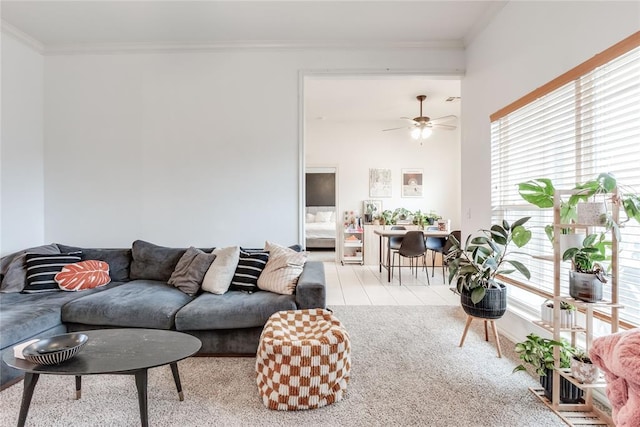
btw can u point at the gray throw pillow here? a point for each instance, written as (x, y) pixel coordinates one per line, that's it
(153, 262)
(14, 270)
(190, 270)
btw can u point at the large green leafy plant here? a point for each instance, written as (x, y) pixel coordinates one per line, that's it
(484, 257)
(538, 352)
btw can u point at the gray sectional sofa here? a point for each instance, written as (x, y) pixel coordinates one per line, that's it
(138, 296)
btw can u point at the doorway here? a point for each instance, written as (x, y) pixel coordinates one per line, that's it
(321, 215)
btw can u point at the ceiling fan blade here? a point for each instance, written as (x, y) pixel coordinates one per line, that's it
(404, 127)
(409, 118)
(444, 127)
(444, 119)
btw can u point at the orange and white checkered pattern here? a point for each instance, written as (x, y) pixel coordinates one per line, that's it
(303, 360)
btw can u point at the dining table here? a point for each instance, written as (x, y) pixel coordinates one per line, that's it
(386, 234)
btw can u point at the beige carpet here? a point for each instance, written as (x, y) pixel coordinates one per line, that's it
(407, 370)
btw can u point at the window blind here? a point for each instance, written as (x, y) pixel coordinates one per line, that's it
(582, 127)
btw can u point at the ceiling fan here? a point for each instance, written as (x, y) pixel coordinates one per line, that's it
(422, 126)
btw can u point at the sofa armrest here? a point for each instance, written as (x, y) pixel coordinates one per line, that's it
(311, 291)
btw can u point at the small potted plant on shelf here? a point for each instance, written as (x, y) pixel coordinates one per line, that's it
(476, 266)
(587, 274)
(370, 210)
(540, 192)
(567, 314)
(400, 214)
(582, 368)
(419, 219)
(537, 352)
(386, 217)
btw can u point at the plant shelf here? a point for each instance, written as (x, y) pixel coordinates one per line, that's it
(549, 327)
(573, 417)
(566, 372)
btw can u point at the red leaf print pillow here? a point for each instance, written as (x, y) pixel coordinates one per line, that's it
(83, 275)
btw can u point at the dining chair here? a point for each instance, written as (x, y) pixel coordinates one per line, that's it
(395, 241)
(412, 247)
(447, 257)
(435, 245)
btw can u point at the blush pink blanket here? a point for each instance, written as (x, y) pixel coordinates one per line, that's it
(618, 355)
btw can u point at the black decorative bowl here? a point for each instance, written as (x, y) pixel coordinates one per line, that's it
(54, 350)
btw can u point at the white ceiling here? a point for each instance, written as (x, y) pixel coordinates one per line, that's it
(57, 24)
(69, 26)
(379, 98)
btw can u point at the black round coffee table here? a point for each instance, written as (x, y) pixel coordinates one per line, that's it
(115, 352)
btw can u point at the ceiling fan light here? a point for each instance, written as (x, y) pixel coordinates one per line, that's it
(426, 133)
(415, 133)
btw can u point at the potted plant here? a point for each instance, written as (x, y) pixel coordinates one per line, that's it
(419, 218)
(476, 266)
(432, 217)
(400, 214)
(538, 353)
(370, 211)
(582, 368)
(386, 217)
(587, 274)
(567, 314)
(540, 192)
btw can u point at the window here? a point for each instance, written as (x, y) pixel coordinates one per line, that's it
(585, 122)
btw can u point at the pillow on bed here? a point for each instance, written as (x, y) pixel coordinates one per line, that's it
(310, 217)
(323, 216)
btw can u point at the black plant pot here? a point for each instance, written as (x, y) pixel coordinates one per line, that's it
(492, 306)
(368, 218)
(569, 393)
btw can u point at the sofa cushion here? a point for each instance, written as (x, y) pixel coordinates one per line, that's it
(234, 309)
(219, 275)
(190, 271)
(24, 316)
(119, 260)
(250, 266)
(83, 275)
(42, 269)
(283, 269)
(136, 304)
(153, 262)
(14, 270)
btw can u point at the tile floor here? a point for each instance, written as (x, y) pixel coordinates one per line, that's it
(355, 284)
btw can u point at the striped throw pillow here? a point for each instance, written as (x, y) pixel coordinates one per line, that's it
(250, 265)
(42, 270)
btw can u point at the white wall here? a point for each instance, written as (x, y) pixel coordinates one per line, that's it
(190, 148)
(356, 146)
(21, 154)
(526, 45)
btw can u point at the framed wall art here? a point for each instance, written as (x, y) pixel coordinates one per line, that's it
(411, 182)
(380, 183)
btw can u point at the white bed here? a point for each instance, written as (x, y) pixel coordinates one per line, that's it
(320, 227)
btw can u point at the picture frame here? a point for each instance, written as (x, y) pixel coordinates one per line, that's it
(380, 183)
(376, 204)
(412, 182)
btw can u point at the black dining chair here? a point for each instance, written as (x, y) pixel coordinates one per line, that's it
(395, 241)
(446, 256)
(412, 247)
(435, 245)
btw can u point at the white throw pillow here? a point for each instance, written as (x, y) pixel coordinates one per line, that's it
(218, 277)
(283, 269)
(323, 216)
(311, 217)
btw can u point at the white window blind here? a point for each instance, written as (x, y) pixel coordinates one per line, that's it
(586, 126)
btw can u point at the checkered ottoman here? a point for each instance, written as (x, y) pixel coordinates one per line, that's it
(303, 360)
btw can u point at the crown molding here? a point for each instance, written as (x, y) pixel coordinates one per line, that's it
(120, 48)
(22, 37)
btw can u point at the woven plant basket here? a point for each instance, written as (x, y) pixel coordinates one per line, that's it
(492, 306)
